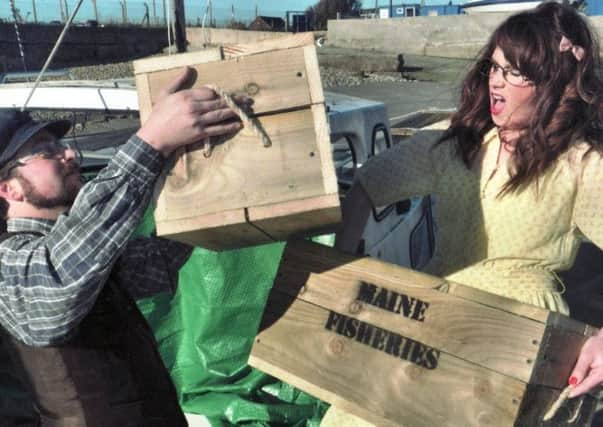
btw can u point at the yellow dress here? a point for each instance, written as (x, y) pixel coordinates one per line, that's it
(510, 245)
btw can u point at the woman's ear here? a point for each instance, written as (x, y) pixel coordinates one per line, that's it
(10, 190)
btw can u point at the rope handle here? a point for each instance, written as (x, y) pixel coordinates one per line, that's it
(562, 400)
(249, 122)
(181, 167)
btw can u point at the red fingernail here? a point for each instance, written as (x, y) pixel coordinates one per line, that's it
(573, 381)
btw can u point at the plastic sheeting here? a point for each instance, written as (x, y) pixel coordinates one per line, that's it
(205, 333)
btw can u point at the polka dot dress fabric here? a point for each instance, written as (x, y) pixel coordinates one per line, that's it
(510, 245)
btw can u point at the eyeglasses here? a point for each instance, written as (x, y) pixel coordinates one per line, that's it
(511, 75)
(46, 149)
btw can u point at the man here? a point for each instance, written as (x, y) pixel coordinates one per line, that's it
(69, 271)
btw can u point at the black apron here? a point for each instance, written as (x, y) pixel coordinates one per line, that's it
(109, 373)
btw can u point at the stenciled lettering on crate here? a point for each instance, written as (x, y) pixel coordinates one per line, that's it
(244, 193)
(383, 340)
(398, 347)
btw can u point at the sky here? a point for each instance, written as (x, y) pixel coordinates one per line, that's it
(48, 10)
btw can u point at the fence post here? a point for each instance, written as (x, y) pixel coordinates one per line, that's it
(35, 12)
(17, 34)
(124, 11)
(62, 11)
(95, 11)
(179, 25)
(165, 17)
(146, 16)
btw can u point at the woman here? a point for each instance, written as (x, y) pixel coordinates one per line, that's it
(517, 177)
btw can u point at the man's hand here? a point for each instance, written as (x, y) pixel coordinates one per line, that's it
(588, 372)
(182, 117)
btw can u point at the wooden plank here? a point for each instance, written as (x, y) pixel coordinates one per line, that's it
(325, 150)
(502, 303)
(562, 341)
(144, 99)
(518, 346)
(242, 177)
(285, 42)
(313, 75)
(357, 331)
(218, 231)
(275, 80)
(415, 278)
(483, 335)
(359, 374)
(297, 218)
(241, 173)
(177, 61)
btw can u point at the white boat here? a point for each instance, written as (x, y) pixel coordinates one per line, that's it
(489, 6)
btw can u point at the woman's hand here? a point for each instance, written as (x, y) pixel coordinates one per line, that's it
(588, 372)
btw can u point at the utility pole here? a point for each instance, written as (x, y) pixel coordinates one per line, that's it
(66, 11)
(165, 17)
(391, 9)
(211, 13)
(179, 24)
(124, 11)
(19, 41)
(62, 11)
(95, 10)
(146, 16)
(155, 22)
(35, 13)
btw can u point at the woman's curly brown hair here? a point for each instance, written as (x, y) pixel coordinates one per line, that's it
(568, 93)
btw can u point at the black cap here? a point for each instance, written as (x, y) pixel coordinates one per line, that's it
(17, 127)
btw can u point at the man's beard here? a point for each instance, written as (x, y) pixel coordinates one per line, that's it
(64, 199)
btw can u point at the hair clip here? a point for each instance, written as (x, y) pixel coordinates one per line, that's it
(565, 44)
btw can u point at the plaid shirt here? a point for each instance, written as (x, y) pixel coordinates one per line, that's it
(49, 283)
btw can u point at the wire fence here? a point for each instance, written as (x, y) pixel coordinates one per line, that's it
(131, 12)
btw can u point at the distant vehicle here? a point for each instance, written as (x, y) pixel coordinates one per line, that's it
(22, 77)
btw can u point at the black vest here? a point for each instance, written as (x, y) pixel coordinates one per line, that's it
(108, 374)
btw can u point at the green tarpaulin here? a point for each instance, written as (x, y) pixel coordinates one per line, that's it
(205, 333)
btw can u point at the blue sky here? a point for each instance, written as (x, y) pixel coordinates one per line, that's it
(244, 9)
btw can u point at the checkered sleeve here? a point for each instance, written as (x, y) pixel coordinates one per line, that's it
(48, 284)
(150, 265)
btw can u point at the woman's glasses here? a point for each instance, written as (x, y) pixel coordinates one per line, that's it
(511, 75)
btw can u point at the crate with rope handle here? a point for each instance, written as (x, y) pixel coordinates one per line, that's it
(273, 179)
(398, 347)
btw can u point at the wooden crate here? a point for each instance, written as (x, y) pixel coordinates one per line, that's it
(245, 193)
(398, 347)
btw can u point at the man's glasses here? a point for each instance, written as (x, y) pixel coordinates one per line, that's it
(511, 75)
(50, 149)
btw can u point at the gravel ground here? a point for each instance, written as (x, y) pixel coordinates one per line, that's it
(331, 77)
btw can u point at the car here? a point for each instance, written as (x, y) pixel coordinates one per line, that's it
(106, 114)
